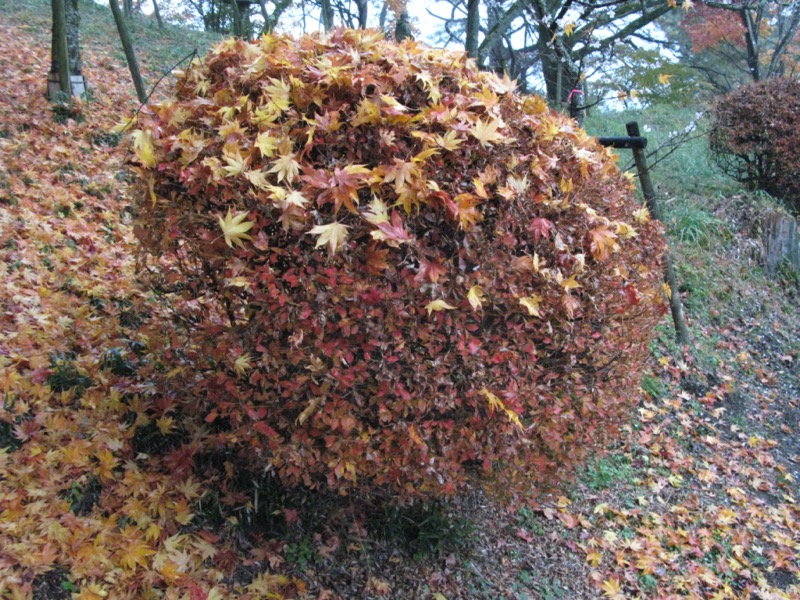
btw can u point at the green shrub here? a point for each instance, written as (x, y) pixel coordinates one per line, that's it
(755, 137)
(402, 273)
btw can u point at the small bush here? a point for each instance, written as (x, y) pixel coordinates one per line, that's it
(401, 272)
(755, 137)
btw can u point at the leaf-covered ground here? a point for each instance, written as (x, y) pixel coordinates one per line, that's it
(109, 489)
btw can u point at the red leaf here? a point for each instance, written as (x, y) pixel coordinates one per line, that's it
(430, 271)
(540, 228)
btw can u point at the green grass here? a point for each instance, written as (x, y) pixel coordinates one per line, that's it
(603, 473)
(654, 387)
(689, 219)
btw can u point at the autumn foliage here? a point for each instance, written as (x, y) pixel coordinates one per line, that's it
(755, 137)
(396, 270)
(707, 26)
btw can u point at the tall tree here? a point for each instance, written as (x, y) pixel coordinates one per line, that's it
(158, 14)
(60, 65)
(65, 49)
(737, 41)
(130, 53)
(326, 14)
(551, 39)
(271, 19)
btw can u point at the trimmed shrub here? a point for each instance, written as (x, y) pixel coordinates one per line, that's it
(399, 271)
(755, 137)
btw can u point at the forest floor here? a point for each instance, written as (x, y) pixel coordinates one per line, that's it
(101, 498)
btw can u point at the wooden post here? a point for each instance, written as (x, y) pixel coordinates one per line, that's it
(640, 158)
(781, 241)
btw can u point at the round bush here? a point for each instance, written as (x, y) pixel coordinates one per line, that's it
(755, 137)
(398, 272)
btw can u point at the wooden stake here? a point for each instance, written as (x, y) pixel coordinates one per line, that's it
(676, 307)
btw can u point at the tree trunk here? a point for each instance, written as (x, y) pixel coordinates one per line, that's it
(781, 242)
(127, 7)
(473, 28)
(158, 15)
(238, 30)
(60, 64)
(751, 42)
(265, 15)
(130, 54)
(73, 36)
(327, 15)
(495, 57)
(362, 6)
(383, 14)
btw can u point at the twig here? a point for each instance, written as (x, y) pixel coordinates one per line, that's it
(191, 55)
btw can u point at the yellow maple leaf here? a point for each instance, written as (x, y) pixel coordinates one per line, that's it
(569, 28)
(664, 78)
(496, 404)
(333, 234)
(487, 133)
(593, 557)
(286, 167)
(236, 164)
(135, 551)
(93, 591)
(448, 141)
(123, 125)
(278, 94)
(165, 424)
(612, 588)
(438, 305)
(377, 212)
(258, 179)
(624, 230)
(531, 303)
(242, 364)
(642, 215)
(266, 144)
(235, 228)
(476, 296)
(393, 103)
(143, 146)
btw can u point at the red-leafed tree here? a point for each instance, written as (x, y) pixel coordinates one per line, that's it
(738, 41)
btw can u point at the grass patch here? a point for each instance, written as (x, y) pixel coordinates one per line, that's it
(690, 221)
(654, 387)
(603, 473)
